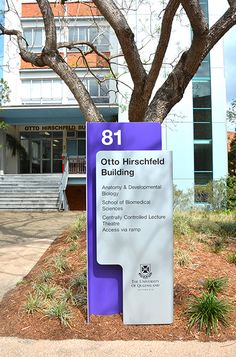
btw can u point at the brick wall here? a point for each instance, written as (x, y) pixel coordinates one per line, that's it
(70, 9)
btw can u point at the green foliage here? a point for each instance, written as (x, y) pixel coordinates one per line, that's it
(183, 201)
(232, 258)
(231, 192)
(214, 285)
(182, 222)
(214, 193)
(79, 280)
(68, 296)
(77, 229)
(73, 247)
(217, 245)
(207, 311)
(60, 263)
(45, 290)
(33, 303)
(232, 158)
(183, 258)
(46, 275)
(3, 125)
(61, 311)
(4, 92)
(231, 112)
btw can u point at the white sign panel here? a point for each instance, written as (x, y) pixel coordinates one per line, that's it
(135, 230)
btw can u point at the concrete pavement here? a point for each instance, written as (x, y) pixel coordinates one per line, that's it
(14, 347)
(24, 237)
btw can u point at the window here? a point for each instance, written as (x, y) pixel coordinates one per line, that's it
(34, 38)
(97, 36)
(99, 91)
(41, 91)
(202, 131)
(203, 155)
(202, 115)
(77, 146)
(201, 93)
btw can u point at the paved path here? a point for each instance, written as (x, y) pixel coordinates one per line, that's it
(14, 347)
(24, 237)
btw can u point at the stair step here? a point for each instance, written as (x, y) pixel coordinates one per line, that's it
(29, 192)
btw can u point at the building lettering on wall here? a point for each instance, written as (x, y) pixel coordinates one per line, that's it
(52, 127)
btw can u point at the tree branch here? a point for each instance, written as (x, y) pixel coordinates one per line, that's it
(49, 24)
(219, 29)
(166, 27)
(26, 55)
(196, 16)
(116, 19)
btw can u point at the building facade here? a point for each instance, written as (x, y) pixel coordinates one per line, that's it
(44, 116)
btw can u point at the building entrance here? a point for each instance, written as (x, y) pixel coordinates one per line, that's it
(44, 152)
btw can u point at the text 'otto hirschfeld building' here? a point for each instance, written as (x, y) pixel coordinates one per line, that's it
(45, 118)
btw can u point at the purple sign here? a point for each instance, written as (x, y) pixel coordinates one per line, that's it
(105, 281)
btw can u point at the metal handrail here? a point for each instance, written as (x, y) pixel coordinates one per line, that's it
(63, 204)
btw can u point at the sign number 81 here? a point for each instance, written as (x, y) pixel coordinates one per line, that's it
(108, 137)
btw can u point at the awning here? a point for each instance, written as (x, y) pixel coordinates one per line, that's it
(23, 115)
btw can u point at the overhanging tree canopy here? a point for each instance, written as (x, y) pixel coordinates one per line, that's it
(146, 103)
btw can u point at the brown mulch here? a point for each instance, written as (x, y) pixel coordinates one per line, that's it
(16, 322)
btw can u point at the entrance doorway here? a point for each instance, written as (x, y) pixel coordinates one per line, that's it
(44, 151)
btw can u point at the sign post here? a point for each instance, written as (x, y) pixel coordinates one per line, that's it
(129, 197)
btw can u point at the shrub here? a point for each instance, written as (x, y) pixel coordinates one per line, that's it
(183, 200)
(45, 290)
(46, 275)
(79, 280)
(183, 258)
(217, 245)
(67, 295)
(61, 311)
(232, 258)
(214, 285)
(60, 263)
(33, 303)
(231, 192)
(207, 311)
(77, 229)
(181, 224)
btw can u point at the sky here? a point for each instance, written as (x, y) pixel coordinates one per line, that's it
(230, 63)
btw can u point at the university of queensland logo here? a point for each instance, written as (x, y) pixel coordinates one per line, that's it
(145, 271)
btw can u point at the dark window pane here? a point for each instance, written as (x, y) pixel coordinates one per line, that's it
(202, 178)
(201, 94)
(46, 166)
(57, 166)
(81, 134)
(57, 148)
(202, 157)
(45, 134)
(202, 131)
(201, 115)
(93, 87)
(72, 147)
(46, 148)
(81, 148)
(58, 134)
(70, 134)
